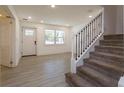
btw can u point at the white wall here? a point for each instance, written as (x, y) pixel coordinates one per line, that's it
(77, 28)
(109, 19)
(119, 19)
(113, 19)
(43, 49)
(123, 19)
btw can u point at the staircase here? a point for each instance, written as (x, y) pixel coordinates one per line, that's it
(104, 67)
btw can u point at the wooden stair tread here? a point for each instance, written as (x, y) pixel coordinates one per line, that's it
(78, 81)
(108, 55)
(108, 71)
(110, 47)
(116, 36)
(99, 77)
(112, 41)
(107, 65)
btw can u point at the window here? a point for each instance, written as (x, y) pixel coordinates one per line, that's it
(54, 37)
(29, 32)
(59, 37)
(49, 37)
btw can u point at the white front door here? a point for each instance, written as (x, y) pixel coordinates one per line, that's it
(29, 42)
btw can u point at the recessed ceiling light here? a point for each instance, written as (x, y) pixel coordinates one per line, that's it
(41, 21)
(90, 16)
(0, 14)
(29, 17)
(52, 6)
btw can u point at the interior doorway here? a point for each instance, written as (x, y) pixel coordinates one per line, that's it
(6, 35)
(29, 42)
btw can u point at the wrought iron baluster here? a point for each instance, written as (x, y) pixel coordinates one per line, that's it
(79, 45)
(90, 34)
(84, 39)
(81, 42)
(95, 27)
(92, 31)
(100, 24)
(76, 48)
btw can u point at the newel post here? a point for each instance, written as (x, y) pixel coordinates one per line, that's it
(73, 64)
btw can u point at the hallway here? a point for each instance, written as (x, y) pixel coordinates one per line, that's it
(41, 71)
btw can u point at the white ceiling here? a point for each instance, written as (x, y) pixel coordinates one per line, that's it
(60, 15)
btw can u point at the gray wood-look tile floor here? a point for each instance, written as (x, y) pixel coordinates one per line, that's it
(38, 71)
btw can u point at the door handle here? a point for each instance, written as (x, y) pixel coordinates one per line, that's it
(35, 42)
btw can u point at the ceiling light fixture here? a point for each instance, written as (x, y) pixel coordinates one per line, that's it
(29, 17)
(52, 6)
(90, 16)
(0, 14)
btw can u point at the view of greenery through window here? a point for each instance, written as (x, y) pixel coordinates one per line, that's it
(54, 37)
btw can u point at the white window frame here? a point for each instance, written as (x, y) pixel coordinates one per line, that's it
(54, 37)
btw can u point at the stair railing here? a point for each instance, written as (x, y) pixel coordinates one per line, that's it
(85, 38)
